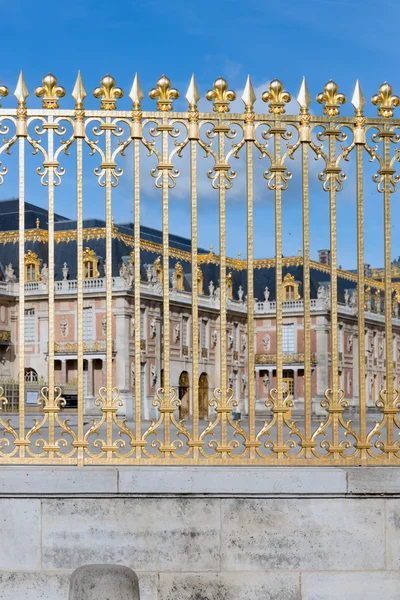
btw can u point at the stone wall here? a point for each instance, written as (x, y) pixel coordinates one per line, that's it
(204, 533)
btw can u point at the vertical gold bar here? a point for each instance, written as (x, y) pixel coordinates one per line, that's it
(109, 313)
(334, 304)
(307, 302)
(195, 298)
(278, 283)
(361, 299)
(79, 314)
(222, 253)
(50, 134)
(388, 298)
(250, 298)
(21, 320)
(136, 233)
(165, 128)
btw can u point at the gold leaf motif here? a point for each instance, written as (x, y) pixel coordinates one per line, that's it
(221, 95)
(385, 100)
(331, 98)
(164, 94)
(50, 92)
(108, 93)
(277, 97)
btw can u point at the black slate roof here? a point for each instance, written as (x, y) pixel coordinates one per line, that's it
(66, 251)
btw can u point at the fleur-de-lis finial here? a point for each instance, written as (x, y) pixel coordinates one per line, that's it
(108, 93)
(50, 92)
(385, 100)
(164, 94)
(192, 94)
(277, 97)
(221, 95)
(331, 98)
(3, 92)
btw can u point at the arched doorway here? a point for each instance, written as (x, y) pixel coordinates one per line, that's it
(203, 395)
(184, 395)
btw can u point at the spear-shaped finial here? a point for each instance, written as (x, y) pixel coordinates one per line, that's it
(249, 96)
(21, 93)
(192, 94)
(136, 93)
(304, 98)
(358, 100)
(79, 92)
(79, 95)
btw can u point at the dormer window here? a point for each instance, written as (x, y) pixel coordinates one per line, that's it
(90, 264)
(290, 288)
(32, 267)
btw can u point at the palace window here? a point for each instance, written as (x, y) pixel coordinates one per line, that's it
(32, 266)
(290, 288)
(31, 375)
(203, 333)
(88, 324)
(288, 337)
(90, 264)
(185, 327)
(30, 325)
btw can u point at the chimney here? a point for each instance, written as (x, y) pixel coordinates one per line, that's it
(367, 270)
(324, 257)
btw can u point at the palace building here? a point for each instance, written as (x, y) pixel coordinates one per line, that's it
(94, 321)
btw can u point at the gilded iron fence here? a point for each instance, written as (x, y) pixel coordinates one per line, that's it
(276, 137)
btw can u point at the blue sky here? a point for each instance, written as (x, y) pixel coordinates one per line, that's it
(320, 39)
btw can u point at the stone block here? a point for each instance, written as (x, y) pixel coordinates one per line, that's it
(231, 480)
(146, 534)
(229, 586)
(103, 582)
(393, 534)
(43, 481)
(367, 585)
(306, 534)
(373, 480)
(19, 534)
(34, 586)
